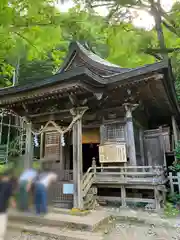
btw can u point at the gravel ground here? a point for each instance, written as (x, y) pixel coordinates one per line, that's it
(15, 235)
(140, 232)
(119, 231)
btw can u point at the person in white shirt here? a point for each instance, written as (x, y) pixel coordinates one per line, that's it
(41, 188)
(25, 183)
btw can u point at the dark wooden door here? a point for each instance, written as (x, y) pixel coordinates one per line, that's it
(154, 147)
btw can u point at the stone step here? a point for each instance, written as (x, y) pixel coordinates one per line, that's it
(51, 232)
(91, 222)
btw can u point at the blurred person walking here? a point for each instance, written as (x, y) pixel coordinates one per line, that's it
(25, 183)
(45, 179)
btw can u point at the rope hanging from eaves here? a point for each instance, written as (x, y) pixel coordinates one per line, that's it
(61, 130)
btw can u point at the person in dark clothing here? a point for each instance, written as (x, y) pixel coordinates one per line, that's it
(6, 192)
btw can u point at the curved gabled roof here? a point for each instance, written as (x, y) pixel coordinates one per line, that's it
(83, 67)
(81, 56)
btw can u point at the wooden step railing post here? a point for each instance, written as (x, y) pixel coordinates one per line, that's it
(94, 165)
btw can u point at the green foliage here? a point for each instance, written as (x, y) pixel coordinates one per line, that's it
(174, 198)
(170, 210)
(125, 45)
(6, 167)
(176, 164)
(36, 165)
(177, 150)
(26, 30)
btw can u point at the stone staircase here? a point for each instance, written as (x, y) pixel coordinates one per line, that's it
(59, 225)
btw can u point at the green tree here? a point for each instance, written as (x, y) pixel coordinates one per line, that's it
(91, 31)
(24, 25)
(131, 47)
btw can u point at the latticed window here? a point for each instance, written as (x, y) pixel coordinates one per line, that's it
(52, 144)
(112, 133)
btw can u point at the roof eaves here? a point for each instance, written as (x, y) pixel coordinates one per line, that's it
(60, 77)
(64, 77)
(72, 50)
(95, 60)
(127, 76)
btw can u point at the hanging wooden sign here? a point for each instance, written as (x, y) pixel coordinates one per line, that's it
(112, 153)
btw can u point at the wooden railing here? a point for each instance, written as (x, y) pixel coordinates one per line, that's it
(137, 177)
(87, 181)
(174, 182)
(124, 175)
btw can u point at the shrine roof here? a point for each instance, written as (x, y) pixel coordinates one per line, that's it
(85, 69)
(86, 75)
(80, 55)
(65, 77)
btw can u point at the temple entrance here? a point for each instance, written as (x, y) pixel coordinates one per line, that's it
(90, 148)
(90, 151)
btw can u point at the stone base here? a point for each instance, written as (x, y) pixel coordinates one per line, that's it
(52, 232)
(89, 222)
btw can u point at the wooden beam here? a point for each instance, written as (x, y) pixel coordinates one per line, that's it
(119, 199)
(60, 112)
(67, 111)
(175, 132)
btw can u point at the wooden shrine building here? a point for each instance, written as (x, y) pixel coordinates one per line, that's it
(119, 116)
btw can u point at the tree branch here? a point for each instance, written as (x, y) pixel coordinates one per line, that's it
(170, 28)
(102, 5)
(155, 55)
(158, 50)
(27, 40)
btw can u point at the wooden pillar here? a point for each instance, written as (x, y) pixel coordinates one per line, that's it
(29, 146)
(61, 157)
(123, 196)
(77, 159)
(130, 133)
(141, 140)
(67, 153)
(157, 199)
(175, 132)
(41, 144)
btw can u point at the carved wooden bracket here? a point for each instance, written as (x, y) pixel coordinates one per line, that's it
(129, 109)
(78, 110)
(98, 96)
